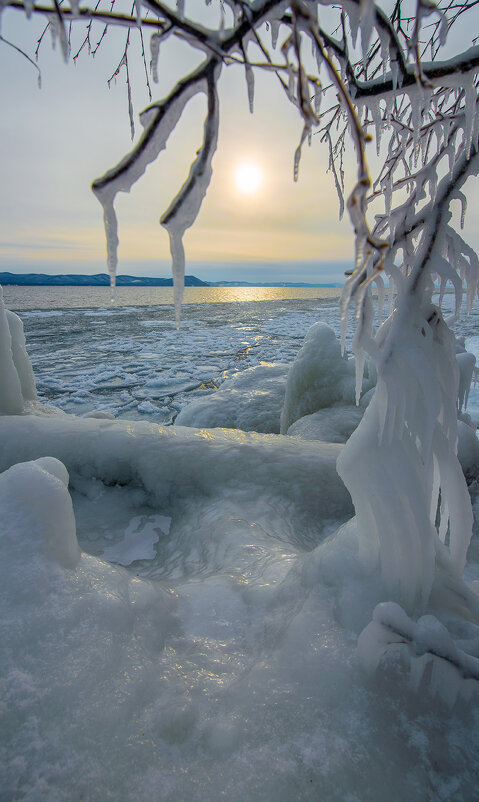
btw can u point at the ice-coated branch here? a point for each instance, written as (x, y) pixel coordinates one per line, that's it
(158, 120)
(184, 209)
(426, 642)
(25, 55)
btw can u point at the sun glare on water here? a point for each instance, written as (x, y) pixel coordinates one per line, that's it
(248, 178)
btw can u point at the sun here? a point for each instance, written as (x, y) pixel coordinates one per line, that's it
(248, 178)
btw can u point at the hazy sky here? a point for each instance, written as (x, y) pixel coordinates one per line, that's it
(56, 140)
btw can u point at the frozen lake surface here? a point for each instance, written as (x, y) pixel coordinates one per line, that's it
(131, 362)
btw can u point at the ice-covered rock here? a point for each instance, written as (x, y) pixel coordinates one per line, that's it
(17, 382)
(331, 424)
(21, 360)
(37, 513)
(11, 399)
(252, 401)
(319, 377)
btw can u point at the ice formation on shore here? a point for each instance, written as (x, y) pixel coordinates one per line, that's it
(230, 636)
(17, 380)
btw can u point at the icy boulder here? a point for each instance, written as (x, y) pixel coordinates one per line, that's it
(252, 401)
(319, 377)
(11, 399)
(36, 512)
(17, 382)
(332, 424)
(20, 357)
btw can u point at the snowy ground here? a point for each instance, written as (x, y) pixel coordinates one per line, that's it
(202, 646)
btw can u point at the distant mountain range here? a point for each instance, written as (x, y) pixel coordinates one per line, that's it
(97, 280)
(103, 280)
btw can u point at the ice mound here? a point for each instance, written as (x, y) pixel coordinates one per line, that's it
(37, 514)
(332, 424)
(319, 377)
(17, 382)
(174, 464)
(252, 401)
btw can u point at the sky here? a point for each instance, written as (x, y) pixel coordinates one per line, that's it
(57, 139)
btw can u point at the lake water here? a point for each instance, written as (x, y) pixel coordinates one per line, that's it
(22, 298)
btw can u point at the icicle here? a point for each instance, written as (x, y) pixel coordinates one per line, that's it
(155, 51)
(28, 5)
(435, 487)
(470, 112)
(389, 103)
(275, 26)
(178, 269)
(297, 159)
(158, 120)
(451, 155)
(111, 233)
(416, 101)
(463, 201)
(130, 101)
(443, 27)
(376, 115)
(395, 73)
(353, 11)
(367, 16)
(53, 20)
(183, 210)
(290, 82)
(180, 7)
(381, 297)
(137, 4)
(432, 186)
(57, 30)
(249, 75)
(297, 153)
(384, 43)
(387, 191)
(444, 519)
